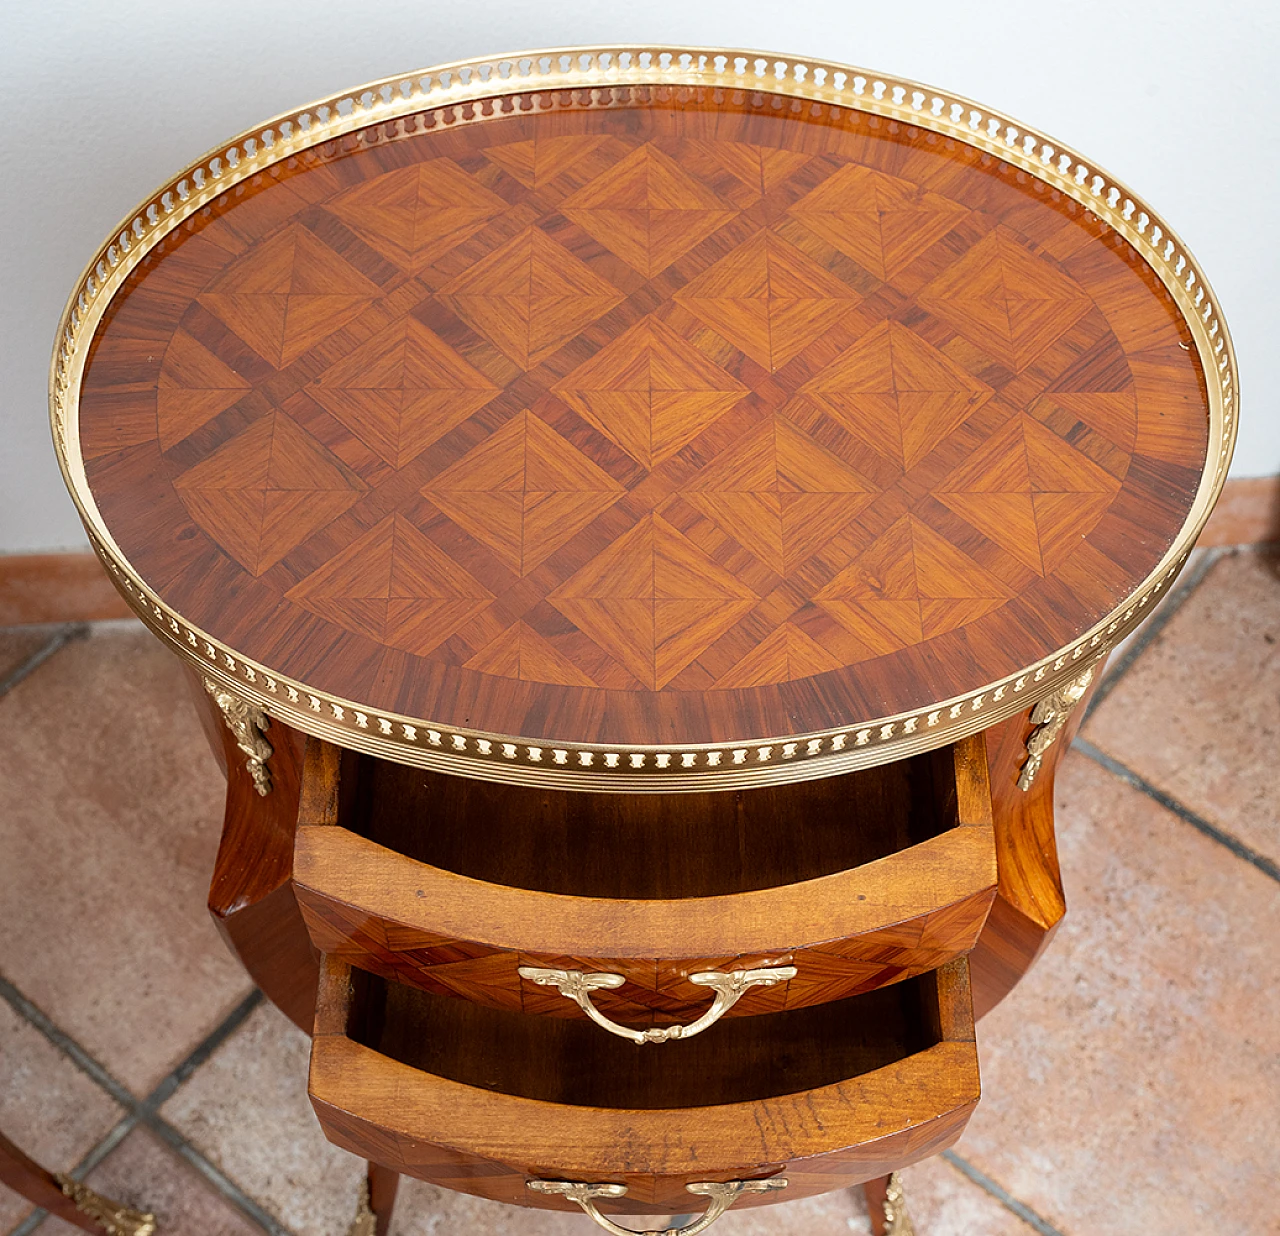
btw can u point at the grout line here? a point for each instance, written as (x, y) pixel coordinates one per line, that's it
(222, 1183)
(1140, 783)
(1002, 1195)
(114, 1136)
(64, 635)
(91, 624)
(1156, 623)
(66, 1044)
(30, 1223)
(144, 1112)
(203, 1050)
(148, 1111)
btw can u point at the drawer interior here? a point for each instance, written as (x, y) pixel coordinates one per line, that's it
(482, 1100)
(650, 846)
(573, 1062)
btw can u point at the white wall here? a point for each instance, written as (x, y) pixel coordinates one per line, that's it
(104, 100)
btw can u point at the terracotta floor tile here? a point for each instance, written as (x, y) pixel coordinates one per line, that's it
(144, 1174)
(1199, 713)
(48, 1107)
(941, 1201)
(843, 1213)
(1131, 1082)
(110, 810)
(1247, 513)
(247, 1111)
(423, 1210)
(944, 1202)
(1195, 561)
(17, 644)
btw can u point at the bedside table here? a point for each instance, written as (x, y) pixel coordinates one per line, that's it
(641, 524)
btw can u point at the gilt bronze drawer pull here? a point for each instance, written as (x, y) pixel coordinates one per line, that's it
(722, 1195)
(729, 987)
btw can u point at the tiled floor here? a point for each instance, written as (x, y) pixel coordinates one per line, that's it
(1131, 1082)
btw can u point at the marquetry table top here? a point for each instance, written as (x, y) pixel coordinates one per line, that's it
(644, 430)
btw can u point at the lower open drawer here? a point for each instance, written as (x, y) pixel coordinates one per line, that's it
(486, 1100)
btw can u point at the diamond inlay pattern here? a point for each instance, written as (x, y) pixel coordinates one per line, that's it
(654, 601)
(882, 222)
(415, 215)
(1006, 300)
(650, 392)
(703, 403)
(647, 210)
(524, 492)
(267, 490)
(289, 294)
(780, 493)
(393, 581)
(768, 299)
(910, 585)
(530, 297)
(1029, 492)
(897, 393)
(401, 391)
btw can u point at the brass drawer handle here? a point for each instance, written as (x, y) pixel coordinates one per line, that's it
(729, 988)
(722, 1197)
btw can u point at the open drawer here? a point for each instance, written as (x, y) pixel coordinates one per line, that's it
(649, 911)
(489, 1101)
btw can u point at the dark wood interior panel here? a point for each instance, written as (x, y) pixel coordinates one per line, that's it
(653, 846)
(575, 1062)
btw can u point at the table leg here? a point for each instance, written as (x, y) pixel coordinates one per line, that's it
(68, 1199)
(377, 1201)
(383, 1183)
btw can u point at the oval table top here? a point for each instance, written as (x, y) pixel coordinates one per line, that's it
(699, 426)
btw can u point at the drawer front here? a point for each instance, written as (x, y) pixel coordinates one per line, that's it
(647, 1193)
(647, 965)
(488, 1102)
(656, 990)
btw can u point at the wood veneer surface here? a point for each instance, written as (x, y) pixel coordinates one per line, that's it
(573, 1061)
(656, 422)
(479, 884)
